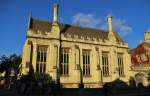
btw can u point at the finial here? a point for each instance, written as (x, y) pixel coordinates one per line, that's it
(110, 25)
(55, 18)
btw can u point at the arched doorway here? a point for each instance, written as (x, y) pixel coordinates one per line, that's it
(140, 80)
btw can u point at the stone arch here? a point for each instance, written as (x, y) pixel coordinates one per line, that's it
(141, 80)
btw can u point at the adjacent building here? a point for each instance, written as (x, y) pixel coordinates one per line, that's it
(140, 58)
(74, 54)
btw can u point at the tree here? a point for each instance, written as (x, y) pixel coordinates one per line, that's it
(12, 61)
(10, 65)
(36, 76)
(4, 64)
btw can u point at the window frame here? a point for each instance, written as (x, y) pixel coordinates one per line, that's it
(64, 61)
(86, 61)
(105, 64)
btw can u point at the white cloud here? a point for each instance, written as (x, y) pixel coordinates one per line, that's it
(148, 30)
(86, 20)
(119, 26)
(90, 20)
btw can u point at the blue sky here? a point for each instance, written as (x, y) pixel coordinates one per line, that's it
(130, 18)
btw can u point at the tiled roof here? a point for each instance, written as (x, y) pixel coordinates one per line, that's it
(138, 48)
(70, 29)
(35, 24)
(85, 32)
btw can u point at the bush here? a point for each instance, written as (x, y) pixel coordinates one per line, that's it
(36, 79)
(44, 78)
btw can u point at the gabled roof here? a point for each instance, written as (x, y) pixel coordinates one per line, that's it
(147, 44)
(35, 25)
(72, 30)
(140, 48)
(85, 32)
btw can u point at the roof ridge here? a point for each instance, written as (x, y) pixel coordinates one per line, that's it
(45, 25)
(70, 25)
(89, 28)
(40, 20)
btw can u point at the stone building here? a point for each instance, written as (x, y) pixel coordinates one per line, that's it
(74, 54)
(140, 59)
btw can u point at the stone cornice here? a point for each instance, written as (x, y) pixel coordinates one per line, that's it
(82, 42)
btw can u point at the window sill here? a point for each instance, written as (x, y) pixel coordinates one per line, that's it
(122, 76)
(98, 69)
(64, 75)
(87, 76)
(106, 76)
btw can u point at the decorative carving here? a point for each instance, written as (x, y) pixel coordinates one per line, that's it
(103, 40)
(76, 46)
(68, 35)
(76, 36)
(38, 32)
(54, 67)
(29, 42)
(96, 48)
(98, 67)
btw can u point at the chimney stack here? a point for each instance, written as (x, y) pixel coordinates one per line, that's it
(110, 26)
(55, 18)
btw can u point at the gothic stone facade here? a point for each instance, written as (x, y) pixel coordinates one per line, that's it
(75, 54)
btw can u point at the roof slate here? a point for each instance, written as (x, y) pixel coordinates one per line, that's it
(136, 50)
(72, 30)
